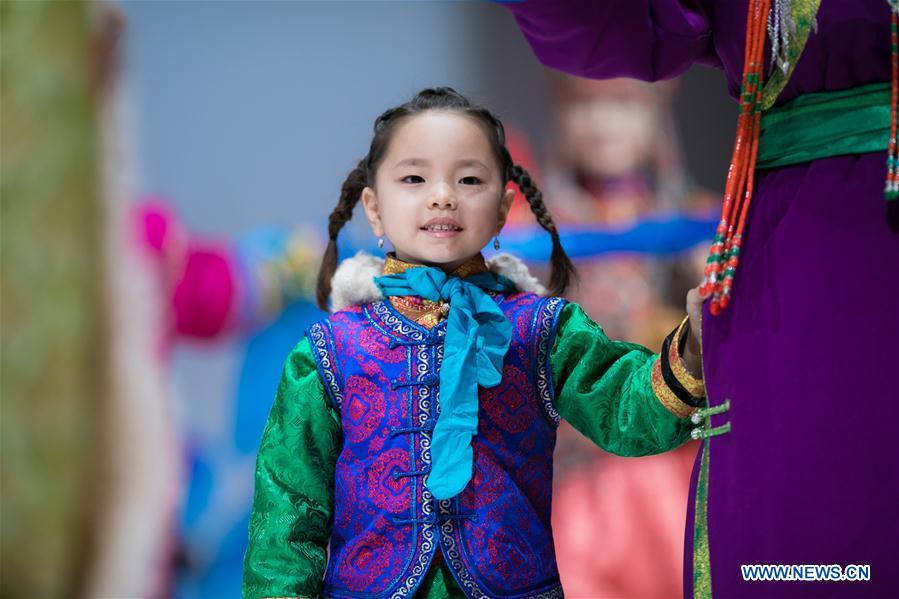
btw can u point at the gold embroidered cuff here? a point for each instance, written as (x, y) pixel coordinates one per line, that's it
(694, 386)
(666, 396)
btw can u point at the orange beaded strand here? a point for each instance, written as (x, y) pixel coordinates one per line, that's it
(891, 189)
(735, 176)
(725, 251)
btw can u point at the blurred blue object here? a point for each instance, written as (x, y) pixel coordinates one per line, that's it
(261, 371)
(216, 513)
(658, 235)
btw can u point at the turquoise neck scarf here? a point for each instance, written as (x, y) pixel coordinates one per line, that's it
(477, 339)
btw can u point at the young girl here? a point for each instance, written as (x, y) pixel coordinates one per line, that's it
(413, 431)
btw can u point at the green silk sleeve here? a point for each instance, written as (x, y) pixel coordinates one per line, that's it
(290, 523)
(604, 388)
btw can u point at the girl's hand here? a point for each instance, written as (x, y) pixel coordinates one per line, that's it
(693, 349)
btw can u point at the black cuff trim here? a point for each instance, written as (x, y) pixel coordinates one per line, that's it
(671, 380)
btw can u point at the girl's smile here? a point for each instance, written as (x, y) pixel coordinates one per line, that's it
(442, 227)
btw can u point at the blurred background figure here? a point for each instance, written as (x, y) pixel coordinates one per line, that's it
(161, 481)
(165, 285)
(53, 350)
(165, 170)
(99, 502)
(615, 160)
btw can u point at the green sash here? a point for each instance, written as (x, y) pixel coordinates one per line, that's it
(823, 124)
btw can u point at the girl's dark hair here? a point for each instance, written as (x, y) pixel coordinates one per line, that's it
(445, 99)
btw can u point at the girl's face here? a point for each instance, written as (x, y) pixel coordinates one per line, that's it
(438, 194)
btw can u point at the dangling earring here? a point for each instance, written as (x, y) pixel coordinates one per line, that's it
(496, 242)
(380, 243)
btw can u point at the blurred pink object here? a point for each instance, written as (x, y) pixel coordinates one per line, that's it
(197, 276)
(619, 525)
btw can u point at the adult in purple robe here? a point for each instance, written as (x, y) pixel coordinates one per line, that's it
(807, 352)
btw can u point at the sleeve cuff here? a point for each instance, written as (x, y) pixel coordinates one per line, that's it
(666, 395)
(694, 386)
(679, 391)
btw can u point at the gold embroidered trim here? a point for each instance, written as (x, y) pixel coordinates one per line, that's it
(472, 266)
(693, 385)
(424, 312)
(666, 396)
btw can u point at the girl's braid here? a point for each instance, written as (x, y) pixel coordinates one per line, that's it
(350, 192)
(562, 271)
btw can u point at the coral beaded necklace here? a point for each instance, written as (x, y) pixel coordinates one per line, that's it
(725, 252)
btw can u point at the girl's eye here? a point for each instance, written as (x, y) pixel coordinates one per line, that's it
(412, 179)
(470, 181)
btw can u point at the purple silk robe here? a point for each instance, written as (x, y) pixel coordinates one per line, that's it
(808, 351)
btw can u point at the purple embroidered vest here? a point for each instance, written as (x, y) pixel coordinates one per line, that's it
(381, 372)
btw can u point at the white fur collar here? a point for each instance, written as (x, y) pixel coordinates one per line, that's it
(353, 281)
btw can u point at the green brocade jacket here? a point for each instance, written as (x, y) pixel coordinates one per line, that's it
(611, 391)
